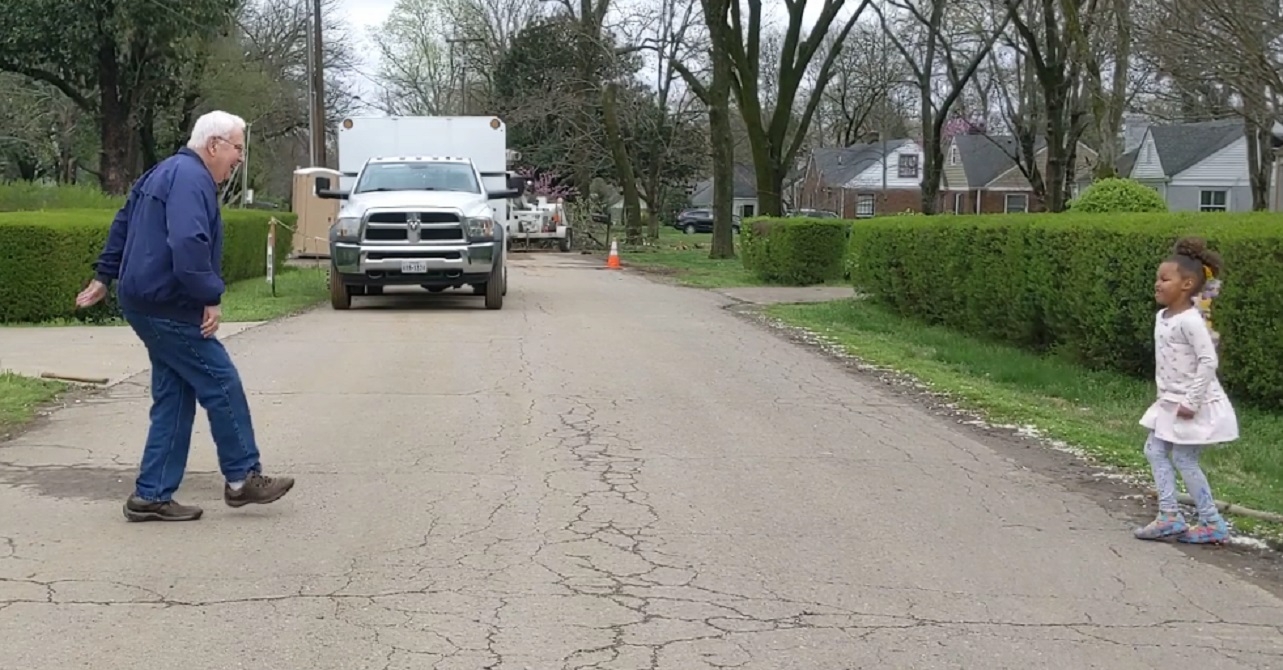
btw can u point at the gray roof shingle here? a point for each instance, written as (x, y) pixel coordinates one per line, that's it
(987, 157)
(745, 186)
(839, 165)
(1181, 146)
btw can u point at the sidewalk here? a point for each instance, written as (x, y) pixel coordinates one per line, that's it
(113, 352)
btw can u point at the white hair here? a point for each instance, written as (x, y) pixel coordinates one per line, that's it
(215, 124)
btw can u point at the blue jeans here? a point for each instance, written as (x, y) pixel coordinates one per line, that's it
(187, 368)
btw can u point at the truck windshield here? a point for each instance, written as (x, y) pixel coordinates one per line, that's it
(417, 176)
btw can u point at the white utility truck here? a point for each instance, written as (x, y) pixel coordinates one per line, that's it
(425, 204)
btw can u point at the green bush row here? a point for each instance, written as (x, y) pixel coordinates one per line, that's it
(795, 251)
(23, 196)
(1080, 285)
(47, 257)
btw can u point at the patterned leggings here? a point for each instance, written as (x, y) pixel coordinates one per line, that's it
(1162, 455)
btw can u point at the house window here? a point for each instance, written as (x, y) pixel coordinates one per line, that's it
(864, 206)
(747, 210)
(1017, 203)
(958, 201)
(908, 166)
(1213, 201)
(953, 154)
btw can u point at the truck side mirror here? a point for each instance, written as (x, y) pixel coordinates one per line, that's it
(518, 183)
(503, 195)
(323, 190)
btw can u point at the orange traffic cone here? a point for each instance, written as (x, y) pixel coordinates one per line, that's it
(612, 261)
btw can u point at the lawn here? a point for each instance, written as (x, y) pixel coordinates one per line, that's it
(20, 397)
(252, 300)
(296, 289)
(685, 258)
(1096, 412)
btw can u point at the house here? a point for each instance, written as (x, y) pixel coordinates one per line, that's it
(981, 175)
(745, 192)
(855, 181)
(1198, 166)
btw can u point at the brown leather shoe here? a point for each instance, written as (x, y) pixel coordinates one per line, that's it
(259, 489)
(137, 509)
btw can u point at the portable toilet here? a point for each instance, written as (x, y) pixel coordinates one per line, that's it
(315, 215)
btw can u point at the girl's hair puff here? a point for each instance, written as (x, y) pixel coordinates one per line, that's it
(1195, 260)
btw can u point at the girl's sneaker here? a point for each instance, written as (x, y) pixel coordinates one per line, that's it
(1164, 526)
(1207, 532)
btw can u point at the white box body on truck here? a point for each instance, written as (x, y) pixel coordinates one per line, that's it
(425, 203)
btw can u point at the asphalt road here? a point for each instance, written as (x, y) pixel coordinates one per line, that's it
(608, 473)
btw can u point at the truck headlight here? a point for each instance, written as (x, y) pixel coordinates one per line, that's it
(347, 227)
(480, 227)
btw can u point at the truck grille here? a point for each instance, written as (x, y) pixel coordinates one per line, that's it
(394, 227)
(424, 217)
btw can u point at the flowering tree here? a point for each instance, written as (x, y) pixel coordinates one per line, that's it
(547, 184)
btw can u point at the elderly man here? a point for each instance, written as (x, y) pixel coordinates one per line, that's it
(164, 252)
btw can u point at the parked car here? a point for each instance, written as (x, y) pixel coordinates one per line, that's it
(814, 214)
(700, 220)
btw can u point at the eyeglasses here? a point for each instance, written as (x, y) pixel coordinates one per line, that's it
(240, 148)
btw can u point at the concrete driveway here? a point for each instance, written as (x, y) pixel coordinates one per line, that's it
(609, 473)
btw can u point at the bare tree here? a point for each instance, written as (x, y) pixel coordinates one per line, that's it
(672, 38)
(414, 64)
(943, 46)
(776, 133)
(1222, 56)
(863, 96)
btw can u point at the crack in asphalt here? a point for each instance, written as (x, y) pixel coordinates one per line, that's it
(554, 552)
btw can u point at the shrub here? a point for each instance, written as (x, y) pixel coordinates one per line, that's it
(46, 258)
(1117, 196)
(795, 251)
(1080, 285)
(21, 196)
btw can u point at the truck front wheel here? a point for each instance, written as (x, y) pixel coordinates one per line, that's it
(340, 293)
(495, 288)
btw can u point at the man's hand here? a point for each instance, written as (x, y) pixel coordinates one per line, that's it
(92, 295)
(213, 314)
(1184, 412)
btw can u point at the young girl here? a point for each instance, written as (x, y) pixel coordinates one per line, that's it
(1192, 411)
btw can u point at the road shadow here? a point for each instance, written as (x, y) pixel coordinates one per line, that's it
(404, 299)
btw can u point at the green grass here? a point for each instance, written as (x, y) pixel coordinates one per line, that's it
(296, 289)
(1094, 411)
(685, 258)
(28, 196)
(251, 299)
(21, 396)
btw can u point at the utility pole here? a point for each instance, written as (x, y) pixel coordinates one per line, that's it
(318, 87)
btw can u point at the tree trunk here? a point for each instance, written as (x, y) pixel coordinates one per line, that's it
(114, 125)
(623, 167)
(932, 155)
(721, 137)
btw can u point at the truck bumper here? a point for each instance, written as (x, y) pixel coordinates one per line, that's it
(437, 265)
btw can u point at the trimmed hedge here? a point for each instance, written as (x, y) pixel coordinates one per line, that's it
(795, 251)
(47, 257)
(1081, 285)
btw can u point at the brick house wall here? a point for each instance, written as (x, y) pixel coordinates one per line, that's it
(845, 202)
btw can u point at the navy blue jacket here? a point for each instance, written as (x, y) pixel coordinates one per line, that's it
(165, 248)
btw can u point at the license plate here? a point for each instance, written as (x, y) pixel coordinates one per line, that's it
(414, 267)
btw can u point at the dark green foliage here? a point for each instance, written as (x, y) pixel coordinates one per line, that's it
(47, 257)
(1080, 285)
(795, 251)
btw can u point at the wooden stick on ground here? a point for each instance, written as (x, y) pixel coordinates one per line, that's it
(1228, 508)
(74, 378)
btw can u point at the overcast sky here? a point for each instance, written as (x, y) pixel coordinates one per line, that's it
(362, 15)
